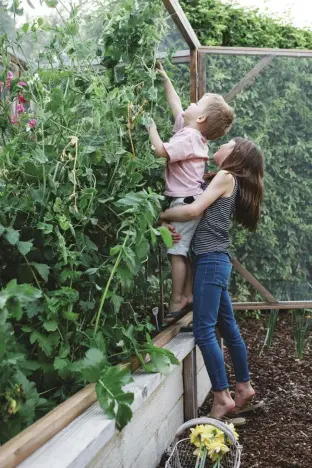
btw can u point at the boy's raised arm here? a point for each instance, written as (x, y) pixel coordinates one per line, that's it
(172, 96)
(157, 143)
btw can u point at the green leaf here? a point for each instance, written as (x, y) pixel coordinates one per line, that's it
(91, 271)
(50, 325)
(64, 350)
(51, 3)
(42, 269)
(123, 416)
(46, 343)
(111, 394)
(39, 156)
(117, 301)
(69, 315)
(46, 228)
(11, 235)
(59, 363)
(24, 247)
(166, 236)
(2, 229)
(14, 308)
(25, 27)
(93, 364)
(25, 293)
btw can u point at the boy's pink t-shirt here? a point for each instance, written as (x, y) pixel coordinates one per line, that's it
(187, 155)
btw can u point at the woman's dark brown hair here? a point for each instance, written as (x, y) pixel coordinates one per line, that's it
(246, 163)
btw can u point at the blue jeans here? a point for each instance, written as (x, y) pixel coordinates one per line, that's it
(212, 306)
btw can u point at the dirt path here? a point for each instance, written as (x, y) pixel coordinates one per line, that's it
(280, 436)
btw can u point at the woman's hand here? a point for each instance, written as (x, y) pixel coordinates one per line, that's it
(176, 237)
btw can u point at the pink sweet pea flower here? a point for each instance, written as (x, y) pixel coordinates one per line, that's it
(9, 78)
(20, 108)
(21, 98)
(13, 119)
(32, 123)
(22, 83)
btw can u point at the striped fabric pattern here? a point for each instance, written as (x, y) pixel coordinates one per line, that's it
(212, 233)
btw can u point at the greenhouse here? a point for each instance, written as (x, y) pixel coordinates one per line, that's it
(92, 373)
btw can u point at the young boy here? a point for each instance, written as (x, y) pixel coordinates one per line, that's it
(186, 154)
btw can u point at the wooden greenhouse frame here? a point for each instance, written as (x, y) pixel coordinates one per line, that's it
(23, 445)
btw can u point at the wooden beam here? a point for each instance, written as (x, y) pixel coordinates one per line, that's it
(31, 439)
(181, 56)
(281, 305)
(202, 74)
(194, 76)
(255, 51)
(190, 386)
(249, 78)
(174, 9)
(253, 281)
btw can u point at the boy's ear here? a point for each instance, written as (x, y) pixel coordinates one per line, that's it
(201, 119)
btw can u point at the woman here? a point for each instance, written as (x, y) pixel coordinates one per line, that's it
(237, 188)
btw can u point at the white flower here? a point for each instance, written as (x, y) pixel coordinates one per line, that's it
(120, 343)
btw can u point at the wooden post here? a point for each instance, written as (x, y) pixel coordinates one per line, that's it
(194, 75)
(161, 315)
(174, 9)
(190, 386)
(201, 74)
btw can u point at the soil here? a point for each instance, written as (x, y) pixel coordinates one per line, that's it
(280, 434)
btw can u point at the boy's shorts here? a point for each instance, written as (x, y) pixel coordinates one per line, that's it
(186, 229)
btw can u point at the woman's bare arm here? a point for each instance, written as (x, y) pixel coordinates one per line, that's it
(217, 188)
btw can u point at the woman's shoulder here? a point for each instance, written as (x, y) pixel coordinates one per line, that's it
(225, 177)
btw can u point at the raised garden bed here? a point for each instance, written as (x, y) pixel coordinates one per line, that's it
(69, 436)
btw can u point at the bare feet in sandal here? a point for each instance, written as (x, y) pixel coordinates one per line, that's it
(223, 404)
(243, 394)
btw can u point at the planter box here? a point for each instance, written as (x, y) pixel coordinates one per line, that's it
(161, 404)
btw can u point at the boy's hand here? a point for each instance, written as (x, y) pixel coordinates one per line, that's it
(160, 70)
(151, 125)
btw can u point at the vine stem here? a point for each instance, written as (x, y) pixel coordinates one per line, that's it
(104, 295)
(129, 128)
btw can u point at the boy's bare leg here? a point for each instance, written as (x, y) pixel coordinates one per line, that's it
(178, 274)
(188, 286)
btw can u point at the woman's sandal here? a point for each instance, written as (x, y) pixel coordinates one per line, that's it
(248, 408)
(237, 422)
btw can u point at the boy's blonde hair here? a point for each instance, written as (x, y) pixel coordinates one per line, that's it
(219, 119)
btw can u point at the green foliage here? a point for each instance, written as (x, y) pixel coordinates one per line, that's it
(20, 403)
(228, 24)
(302, 324)
(271, 327)
(79, 195)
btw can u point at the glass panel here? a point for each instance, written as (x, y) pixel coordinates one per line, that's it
(276, 112)
(173, 40)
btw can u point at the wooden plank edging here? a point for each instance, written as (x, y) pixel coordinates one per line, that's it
(35, 436)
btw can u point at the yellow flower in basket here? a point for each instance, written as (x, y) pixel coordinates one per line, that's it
(217, 449)
(232, 427)
(210, 441)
